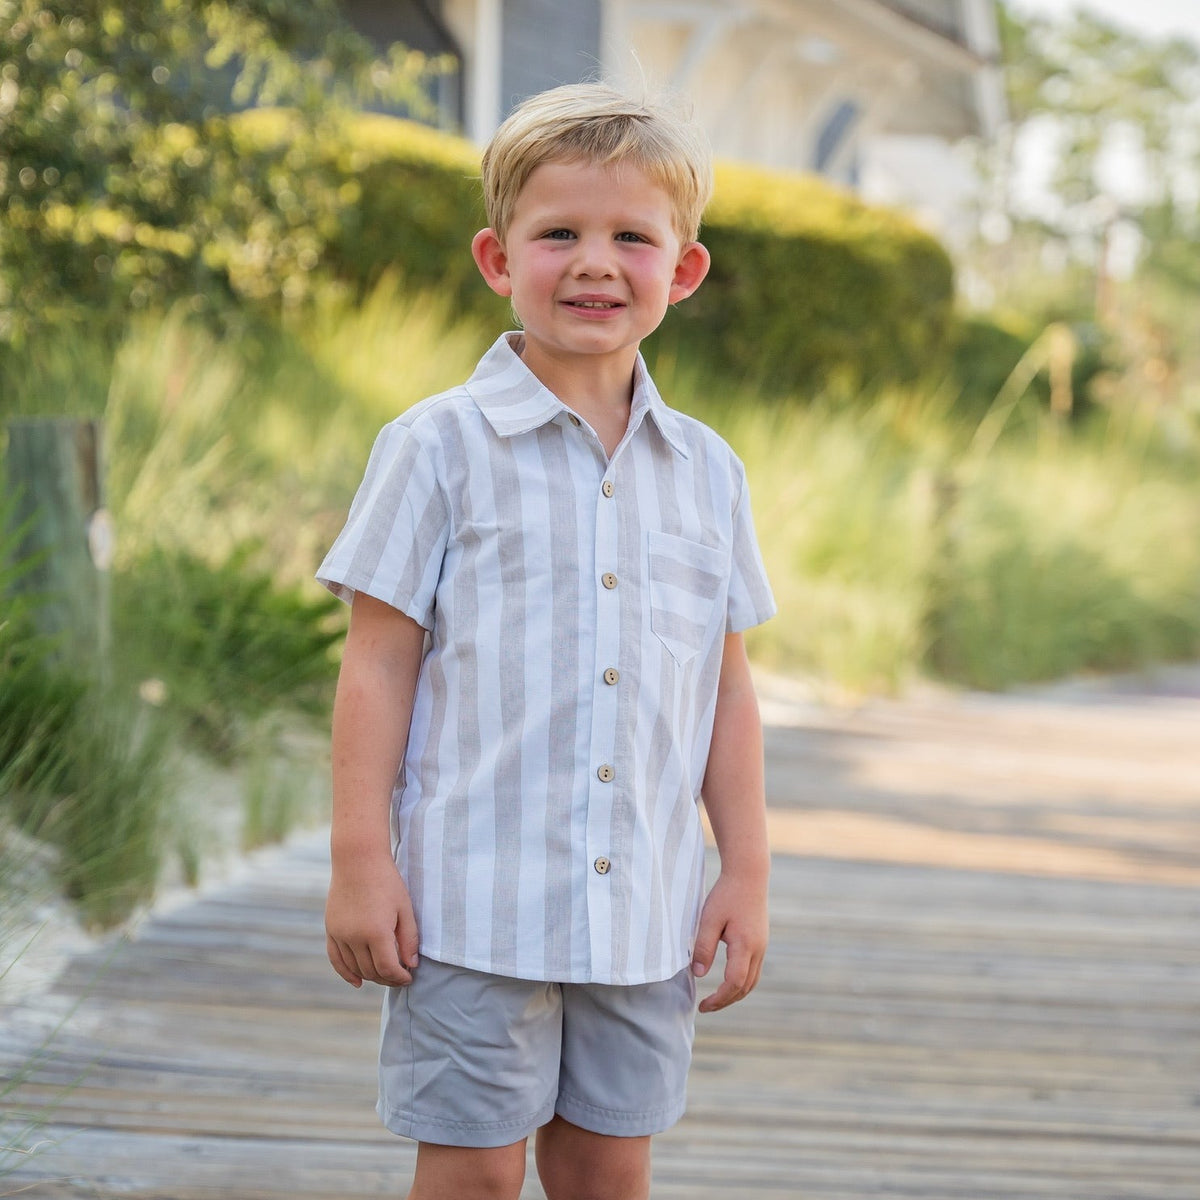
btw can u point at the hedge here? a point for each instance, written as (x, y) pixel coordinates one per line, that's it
(808, 286)
(808, 283)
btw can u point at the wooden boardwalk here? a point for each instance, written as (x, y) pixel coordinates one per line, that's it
(984, 984)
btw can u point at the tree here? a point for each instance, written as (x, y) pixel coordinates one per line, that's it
(123, 181)
(1102, 94)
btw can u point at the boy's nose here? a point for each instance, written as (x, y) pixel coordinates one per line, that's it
(594, 258)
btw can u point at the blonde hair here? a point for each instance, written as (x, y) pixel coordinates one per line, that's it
(593, 123)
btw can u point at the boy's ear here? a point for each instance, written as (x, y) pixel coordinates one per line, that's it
(492, 261)
(693, 265)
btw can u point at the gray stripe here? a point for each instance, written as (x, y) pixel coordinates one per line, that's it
(662, 736)
(507, 792)
(429, 769)
(706, 478)
(673, 860)
(514, 396)
(675, 627)
(390, 471)
(564, 702)
(656, 764)
(465, 600)
(747, 565)
(683, 575)
(704, 481)
(666, 487)
(687, 917)
(418, 577)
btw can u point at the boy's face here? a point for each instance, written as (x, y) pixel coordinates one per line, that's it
(591, 260)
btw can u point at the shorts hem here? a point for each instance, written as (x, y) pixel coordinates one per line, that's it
(617, 1123)
(445, 1131)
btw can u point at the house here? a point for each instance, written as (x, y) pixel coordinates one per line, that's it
(869, 93)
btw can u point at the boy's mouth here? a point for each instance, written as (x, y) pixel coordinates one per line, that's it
(593, 304)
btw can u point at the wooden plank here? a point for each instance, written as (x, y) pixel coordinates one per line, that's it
(921, 1030)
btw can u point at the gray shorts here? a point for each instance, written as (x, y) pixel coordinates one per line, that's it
(470, 1059)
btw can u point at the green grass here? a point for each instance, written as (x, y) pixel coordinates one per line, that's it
(902, 545)
(1069, 558)
(76, 773)
(72, 770)
(905, 539)
(225, 641)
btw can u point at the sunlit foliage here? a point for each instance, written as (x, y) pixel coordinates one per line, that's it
(121, 182)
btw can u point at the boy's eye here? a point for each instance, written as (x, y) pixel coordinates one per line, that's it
(629, 236)
(558, 235)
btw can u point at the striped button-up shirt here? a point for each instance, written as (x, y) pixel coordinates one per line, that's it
(547, 810)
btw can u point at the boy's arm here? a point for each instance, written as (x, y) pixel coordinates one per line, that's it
(735, 911)
(371, 932)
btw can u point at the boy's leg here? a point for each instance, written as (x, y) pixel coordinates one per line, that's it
(575, 1164)
(467, 1173)
(622, 1078)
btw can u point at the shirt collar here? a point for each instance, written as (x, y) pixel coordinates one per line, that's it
(515, 401)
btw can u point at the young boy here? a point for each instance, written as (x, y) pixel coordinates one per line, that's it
(549, 571)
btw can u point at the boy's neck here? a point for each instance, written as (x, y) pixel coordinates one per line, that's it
(599, 388)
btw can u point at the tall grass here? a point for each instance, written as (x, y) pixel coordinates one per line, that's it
(901, 539)
(1069, 556)
(75, 773)
(899, 549)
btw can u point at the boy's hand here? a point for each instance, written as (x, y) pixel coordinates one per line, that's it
(734, 913)
(370, 929)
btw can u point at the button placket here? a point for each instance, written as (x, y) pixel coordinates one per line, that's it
(606, 784)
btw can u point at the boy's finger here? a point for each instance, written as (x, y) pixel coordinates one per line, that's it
(386, 967)
(735, 984)
(724, 996)
(407, 942)
(338, 961)
(705, 950)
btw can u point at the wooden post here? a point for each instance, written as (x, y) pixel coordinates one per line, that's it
(55, 471)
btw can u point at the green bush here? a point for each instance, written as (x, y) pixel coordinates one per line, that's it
(74, 770)
(808, 284)
(122, 185)
(225, 641)
(1068, 558)
(986, 348)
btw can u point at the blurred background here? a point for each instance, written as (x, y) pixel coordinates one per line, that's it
(951, 329)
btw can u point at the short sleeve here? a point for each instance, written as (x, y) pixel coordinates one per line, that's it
(394, 539)
(750, 599)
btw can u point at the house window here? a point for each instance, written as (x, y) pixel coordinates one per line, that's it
(835, 133)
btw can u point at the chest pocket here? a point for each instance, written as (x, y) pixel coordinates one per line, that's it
(687, 582)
